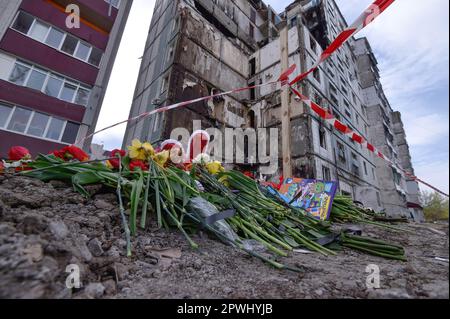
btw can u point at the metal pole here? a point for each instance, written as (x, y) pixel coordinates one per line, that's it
(285, 107)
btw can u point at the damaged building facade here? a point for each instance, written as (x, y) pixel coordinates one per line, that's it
(199, 47)
(400, 194)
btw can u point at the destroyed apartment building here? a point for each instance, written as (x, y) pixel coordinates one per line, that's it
(199, 47)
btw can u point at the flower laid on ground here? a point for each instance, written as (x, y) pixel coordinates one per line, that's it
(72, 152)
(2, 167)
(115, 162)
(135, 164)
(141, 151)
(215, 167)
(18, 153)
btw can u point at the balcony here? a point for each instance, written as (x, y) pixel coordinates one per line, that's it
(24, 47)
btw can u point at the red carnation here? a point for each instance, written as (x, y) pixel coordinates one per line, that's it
(115, 162)
(138, 164)
(18, 153)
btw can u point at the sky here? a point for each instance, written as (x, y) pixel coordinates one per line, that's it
(410, 41)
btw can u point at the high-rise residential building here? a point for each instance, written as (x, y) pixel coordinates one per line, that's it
(53, 71)
(400, 193)
(199, 47)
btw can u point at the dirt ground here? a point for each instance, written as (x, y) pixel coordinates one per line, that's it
(46, 227)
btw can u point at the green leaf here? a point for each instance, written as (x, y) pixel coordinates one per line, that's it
(135, 199)
(85, 178)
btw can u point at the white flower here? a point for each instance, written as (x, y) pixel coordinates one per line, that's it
(202, 159)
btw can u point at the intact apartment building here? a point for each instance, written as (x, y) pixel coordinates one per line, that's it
(53, 78)
(198, 47)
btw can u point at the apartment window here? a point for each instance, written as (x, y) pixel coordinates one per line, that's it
(355, 164)
(326, 173)
(114, 3)
(252, 66)
(95, 57)
(294, 22)
(252, 92)
(156, 123)
(323, 137)
(82, 51)
(378, 199)
(318, 99)
(54, 85)
(82, 96)
(357, 119)
(341, 153)
(38, 124)
(253, 16)
(312, 44)
(55, 38)
(55, 129)
(49, 83)
(164, 84)
(333, 89)
(19, 120)
(39, 31)
(365, 169)
(23, 22)
(397, 177)
(252, 31)
(19, 74)
(37, 79)
(5, 112)
(68, 92)
(316, 74)
(348, 113)
(70, 44)
(334, 99)
(70, 133)
(366, 130)
(373, 173)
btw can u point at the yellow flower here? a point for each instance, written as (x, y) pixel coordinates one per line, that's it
(215, 167)
(224, 181)
(162, 158)
(140, 151)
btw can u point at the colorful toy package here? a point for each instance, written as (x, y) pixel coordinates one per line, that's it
(314, 196)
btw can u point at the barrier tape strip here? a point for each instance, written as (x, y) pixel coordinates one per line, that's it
(341, 127)
(367, 17)
(142, 116)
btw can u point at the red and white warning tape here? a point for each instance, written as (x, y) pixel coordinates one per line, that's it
(183, 104)
(367, 17)
(341, 127)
